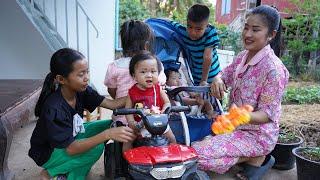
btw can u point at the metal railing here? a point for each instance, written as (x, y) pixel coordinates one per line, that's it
(41, 6)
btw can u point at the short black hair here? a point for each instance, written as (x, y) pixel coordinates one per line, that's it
(198, 13)
(168, 72)
(141, 56)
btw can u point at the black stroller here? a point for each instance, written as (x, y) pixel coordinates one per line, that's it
(172, 52)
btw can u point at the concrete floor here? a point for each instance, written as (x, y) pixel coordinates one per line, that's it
(25, 169)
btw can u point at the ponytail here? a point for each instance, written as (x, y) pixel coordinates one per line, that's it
(47, 89)
(61, 63)
(276, 42)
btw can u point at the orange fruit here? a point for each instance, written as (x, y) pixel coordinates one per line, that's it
(235, 122)
(217, 128)
(227, 125)
(244, 117)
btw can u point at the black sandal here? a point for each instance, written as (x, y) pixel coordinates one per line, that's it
(250, 172)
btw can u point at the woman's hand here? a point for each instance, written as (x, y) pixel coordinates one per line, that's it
(203, 83)
(218, 87)
(121, 134)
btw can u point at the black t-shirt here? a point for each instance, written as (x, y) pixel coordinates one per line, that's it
(54, 128)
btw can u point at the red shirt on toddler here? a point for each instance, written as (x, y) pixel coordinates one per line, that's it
(148, 97)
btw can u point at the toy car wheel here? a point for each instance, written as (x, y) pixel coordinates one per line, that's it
(201, 175)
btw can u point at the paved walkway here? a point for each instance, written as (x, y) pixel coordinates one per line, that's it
(25, 169)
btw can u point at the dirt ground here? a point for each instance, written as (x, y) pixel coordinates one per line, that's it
(303, 119)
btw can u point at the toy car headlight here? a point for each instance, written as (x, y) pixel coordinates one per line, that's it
(166, 173)
(141, 168)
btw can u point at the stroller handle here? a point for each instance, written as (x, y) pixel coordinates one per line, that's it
(175, 91)
(177, 109)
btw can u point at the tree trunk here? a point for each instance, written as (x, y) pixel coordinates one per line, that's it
(153, 7)
(313, 55)
(296, 57)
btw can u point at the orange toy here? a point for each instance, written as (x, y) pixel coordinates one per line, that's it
(235, 117)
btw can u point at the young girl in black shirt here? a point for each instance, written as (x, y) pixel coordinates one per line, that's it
(61, 143)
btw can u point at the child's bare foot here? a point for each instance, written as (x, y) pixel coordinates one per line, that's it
(44, 175)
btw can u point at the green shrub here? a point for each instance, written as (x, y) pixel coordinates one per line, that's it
(302, 95)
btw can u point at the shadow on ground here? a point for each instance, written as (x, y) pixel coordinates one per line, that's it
(25, 169)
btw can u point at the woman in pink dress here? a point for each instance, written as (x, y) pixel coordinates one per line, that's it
(256, 77)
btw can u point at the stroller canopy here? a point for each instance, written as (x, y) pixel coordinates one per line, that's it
(168, 44)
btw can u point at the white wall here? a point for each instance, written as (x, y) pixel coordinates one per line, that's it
(225, 57)
(102, 13)
(101, 49)
(23, 52)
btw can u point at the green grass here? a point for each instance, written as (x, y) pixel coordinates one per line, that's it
(302, 95)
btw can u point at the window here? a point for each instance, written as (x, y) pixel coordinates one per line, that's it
(225, 7)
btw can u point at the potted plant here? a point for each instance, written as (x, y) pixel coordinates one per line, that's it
(308, 162)
(283, 150)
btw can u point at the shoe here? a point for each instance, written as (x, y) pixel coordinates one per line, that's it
(256, 173)
(59, 177)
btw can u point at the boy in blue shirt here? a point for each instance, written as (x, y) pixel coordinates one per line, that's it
(201, 39)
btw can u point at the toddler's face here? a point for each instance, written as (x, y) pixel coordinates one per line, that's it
(173, 79)
(146, 73)
(196, 30)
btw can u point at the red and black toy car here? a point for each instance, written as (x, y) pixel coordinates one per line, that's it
(153, 157)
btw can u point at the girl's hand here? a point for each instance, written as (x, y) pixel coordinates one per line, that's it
(132, 125)
(121, 134)
(218, 87)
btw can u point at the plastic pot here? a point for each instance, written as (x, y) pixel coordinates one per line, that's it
(306, 169)
(282, 153)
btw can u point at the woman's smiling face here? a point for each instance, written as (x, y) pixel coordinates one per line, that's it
(255, 34)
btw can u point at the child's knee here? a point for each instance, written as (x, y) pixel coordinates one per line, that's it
(169, 134)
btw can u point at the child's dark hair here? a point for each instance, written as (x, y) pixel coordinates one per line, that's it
(135, 36)
(271, 17)
(61, 63)
(198, 13)
(168, 72)
(141, 56)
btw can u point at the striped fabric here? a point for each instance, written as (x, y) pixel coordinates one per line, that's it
(196, 49)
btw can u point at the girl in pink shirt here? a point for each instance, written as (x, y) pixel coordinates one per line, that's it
(256, 77)
(135, 36)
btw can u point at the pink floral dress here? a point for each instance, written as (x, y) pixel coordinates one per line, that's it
(260, 83)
